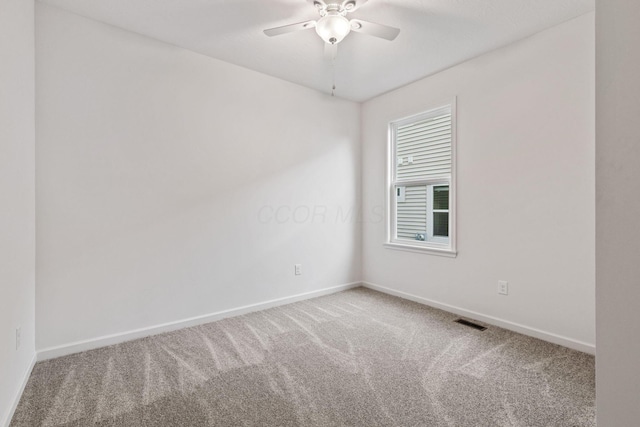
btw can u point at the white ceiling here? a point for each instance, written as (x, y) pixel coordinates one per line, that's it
(436, 34)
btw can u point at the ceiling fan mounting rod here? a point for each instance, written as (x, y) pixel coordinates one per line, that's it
(342, 8)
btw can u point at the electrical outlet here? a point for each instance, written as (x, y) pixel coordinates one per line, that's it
(298, 269)
(18, 337)
(503, 287)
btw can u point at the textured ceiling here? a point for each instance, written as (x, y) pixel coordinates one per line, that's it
(436, 34)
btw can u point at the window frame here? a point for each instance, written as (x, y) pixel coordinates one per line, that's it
(433, 245)
(430, 211)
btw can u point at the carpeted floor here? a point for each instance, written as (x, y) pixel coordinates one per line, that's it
(356, 358)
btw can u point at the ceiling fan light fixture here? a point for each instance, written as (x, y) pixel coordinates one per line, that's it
(333, 27)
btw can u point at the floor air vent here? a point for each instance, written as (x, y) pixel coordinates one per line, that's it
(470, 324)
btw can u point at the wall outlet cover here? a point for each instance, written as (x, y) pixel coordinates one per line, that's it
(503, 287)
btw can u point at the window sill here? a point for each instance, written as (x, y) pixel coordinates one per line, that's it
(431, 250)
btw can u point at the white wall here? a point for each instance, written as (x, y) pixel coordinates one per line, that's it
(17, 202)
(525, 186)
(159, 172)
(618, 211)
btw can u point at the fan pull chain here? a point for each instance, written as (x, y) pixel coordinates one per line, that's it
(333, 73)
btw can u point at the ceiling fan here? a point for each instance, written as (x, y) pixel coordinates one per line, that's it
(333, 26)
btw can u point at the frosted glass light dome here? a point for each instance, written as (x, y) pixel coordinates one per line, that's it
(333, 27)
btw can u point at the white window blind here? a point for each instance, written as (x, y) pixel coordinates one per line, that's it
(423, 148)
(412, 212)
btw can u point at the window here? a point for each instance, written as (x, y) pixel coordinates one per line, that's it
(421, 187)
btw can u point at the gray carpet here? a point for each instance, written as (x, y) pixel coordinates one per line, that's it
(356, 358)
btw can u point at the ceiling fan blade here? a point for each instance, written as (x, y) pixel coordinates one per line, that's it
(290, 28)
(373, 29)
(330, 51)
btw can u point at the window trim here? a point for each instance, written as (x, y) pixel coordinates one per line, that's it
(431, 247)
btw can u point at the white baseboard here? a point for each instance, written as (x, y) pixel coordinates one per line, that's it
(80, 346)
(16, 399)
(77, 347)
(516, 327)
